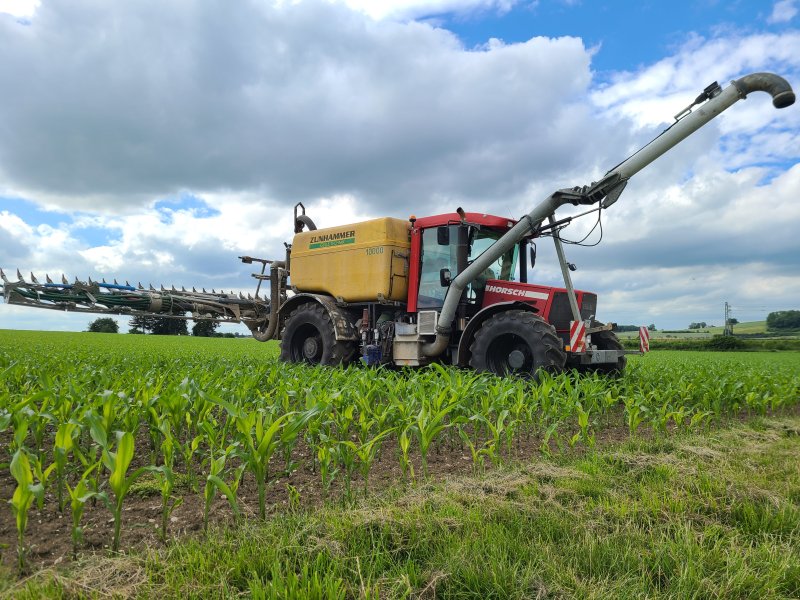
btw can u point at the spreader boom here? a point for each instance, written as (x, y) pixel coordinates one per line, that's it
(125, 299)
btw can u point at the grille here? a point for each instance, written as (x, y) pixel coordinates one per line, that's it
(560, 312)
(426, 322)
(589, 306)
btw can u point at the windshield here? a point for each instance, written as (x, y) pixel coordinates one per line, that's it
(436, 257)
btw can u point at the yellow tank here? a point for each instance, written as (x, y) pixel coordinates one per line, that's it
(360, 262)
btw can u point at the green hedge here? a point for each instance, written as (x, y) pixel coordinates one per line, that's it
(718, 343)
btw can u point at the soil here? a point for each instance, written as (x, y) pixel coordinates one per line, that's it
(48, 536)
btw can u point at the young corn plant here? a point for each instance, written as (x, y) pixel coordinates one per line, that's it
(405, 462)
(429, 424)
(326, 458)
(475, 449)
(365, 453)
(214, 483)
(79, 496)
(259, 439)
(165, 476)
(22, 499)
(119, 481)
(64, 444)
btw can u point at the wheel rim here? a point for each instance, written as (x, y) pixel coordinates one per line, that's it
(509, 353)
(307, 344)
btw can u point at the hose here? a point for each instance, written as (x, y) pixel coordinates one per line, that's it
(274, 302)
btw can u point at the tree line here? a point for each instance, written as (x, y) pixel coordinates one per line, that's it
(141, 324)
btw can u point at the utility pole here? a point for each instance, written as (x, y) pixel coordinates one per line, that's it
(728, 326)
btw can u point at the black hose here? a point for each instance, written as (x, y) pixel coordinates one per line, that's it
(775, 85)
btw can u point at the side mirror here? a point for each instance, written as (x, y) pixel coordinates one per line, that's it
(444, 277)
(533, 256)
(443, 235)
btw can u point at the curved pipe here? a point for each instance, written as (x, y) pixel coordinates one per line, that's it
(304, 220)
(274, 301)
(775, 85)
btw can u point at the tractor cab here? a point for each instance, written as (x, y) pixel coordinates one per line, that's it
(444, 245)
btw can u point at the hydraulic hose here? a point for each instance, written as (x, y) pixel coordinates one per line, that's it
(274, 302)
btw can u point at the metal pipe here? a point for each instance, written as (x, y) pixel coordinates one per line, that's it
(274, 302)
(562, 260)
(610, 185)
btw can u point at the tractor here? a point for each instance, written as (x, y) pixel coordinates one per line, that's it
(450, 288)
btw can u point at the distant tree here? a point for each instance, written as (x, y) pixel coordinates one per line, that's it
(700, 325)
(783, 319)
(625, 328)
(733, 321)
(651, 327)
(167, 326)
(104, 325)
(142, 324)
(204, 328)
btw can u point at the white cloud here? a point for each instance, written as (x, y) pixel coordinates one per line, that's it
(653, 95)
(19, 8)
(299, 101)
(783, 11)
(411, 9)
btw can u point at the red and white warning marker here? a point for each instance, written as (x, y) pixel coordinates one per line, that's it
(577, 336)
(644, 339)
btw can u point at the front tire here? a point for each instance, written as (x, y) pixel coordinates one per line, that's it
(309, 337)
(516, 342)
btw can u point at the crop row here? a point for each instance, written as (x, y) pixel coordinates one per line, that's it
(86, 430)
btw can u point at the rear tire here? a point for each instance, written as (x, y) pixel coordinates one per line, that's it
(309, 337)
(607, 340)
(516, 342)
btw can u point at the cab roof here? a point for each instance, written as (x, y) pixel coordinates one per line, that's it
(472, 217)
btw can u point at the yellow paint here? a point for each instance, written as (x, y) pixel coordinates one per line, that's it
(355, 262)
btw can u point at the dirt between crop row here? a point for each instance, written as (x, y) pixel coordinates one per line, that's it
(48, 536)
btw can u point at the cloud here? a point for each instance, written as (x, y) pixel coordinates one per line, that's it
(19, 8)
(298, 101)
(783, 11)
(411, 9)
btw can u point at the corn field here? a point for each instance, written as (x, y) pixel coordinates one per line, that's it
(86, 418)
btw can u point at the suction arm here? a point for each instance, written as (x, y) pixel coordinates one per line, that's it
(713, 101)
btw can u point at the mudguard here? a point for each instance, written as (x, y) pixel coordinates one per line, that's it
(343, 323)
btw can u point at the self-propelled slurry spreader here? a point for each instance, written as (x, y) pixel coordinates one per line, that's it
(451, 287)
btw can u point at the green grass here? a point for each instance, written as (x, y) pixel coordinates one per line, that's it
(750, 327)
(693, 516)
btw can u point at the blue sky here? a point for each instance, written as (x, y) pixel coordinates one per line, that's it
(627, 34)
(158, 142)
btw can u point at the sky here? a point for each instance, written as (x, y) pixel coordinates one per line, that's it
(156, 142)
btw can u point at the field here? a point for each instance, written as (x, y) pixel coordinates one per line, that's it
(176, 466)
(749, 328)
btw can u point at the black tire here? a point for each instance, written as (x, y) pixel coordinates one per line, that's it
(516, 342)
(607, 340)
(309, 337)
